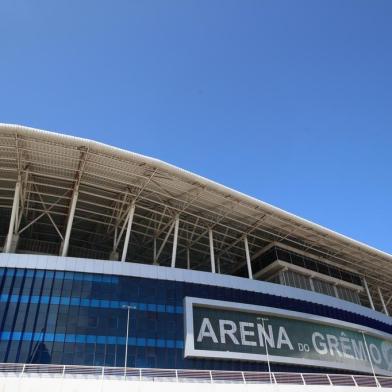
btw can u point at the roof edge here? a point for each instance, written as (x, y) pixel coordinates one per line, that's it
(197, 178)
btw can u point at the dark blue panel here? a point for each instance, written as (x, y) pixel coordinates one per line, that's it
(77, 318)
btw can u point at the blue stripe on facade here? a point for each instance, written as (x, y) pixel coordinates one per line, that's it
(76, 318)
(63, 275)
(93, 339)
(91, 303)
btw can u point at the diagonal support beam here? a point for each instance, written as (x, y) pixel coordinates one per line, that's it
(201, 235)
(368, 293)
(71, 215)
(117, 237)
(164, 242)
(382, 301)
(389, 300)
(74, 199)
(43, 213)
(14, 216)
(24, 194)
(248, 232)
(48, 214)
(247, 255)
(122, 214)
(131, 213)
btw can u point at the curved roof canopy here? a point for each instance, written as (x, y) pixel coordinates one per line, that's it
(52, 166)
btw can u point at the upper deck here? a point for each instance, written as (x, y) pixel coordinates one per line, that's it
(62, 195)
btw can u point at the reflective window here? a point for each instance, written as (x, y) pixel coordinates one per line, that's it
(324, 287)
(276, 253)
(77, 318)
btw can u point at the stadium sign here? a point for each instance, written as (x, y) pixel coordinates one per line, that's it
(218, 329)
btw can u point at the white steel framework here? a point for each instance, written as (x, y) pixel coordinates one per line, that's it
(69, 196)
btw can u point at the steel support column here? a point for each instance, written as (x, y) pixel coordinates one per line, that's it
(131, 213)
(212, 254)
(65, 245)
(14, 217)
(175, 240)
(247, 254)
(368, 293)
(382, 301)
(188, 258)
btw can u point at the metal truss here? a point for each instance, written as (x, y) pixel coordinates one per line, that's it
(69, 196)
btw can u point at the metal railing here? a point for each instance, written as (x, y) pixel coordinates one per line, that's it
(188, 375)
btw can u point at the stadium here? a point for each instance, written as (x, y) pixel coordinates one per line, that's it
(115, 264)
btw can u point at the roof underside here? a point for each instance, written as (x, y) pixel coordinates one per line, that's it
(50, 165)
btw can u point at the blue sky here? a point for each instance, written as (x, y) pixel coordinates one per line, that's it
(288, 101)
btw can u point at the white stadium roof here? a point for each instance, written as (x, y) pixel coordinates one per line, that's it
(52, 166)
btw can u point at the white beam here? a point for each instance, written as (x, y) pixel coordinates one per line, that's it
(164, 242)
(14, 214)
(41, 214)
(247, 254)
(131, 213)
(119, 235)
(74, 199)
(335, 289)
(64, 248)
(212, 254)
(368, 293)
(382, 301)
(48, 214)
(175, 240)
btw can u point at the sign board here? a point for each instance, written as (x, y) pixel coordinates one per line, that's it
(218, 329)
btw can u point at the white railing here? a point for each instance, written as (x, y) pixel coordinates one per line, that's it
(189, 375)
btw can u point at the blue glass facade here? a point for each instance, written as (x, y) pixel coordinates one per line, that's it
(77, 318)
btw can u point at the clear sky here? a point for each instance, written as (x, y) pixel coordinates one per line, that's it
(288, 101)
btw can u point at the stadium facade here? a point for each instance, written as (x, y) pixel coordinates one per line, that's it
(110, 258)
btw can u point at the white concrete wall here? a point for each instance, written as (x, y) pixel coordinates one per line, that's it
(47, 384)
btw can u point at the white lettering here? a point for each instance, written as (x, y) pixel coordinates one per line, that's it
(346, 347)
(245, 333)
(206, 331)
(230, 332)
(269, 338)
(375, 353)
(283, 338)
(359, 350)
(333, 344)
(320, 345)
